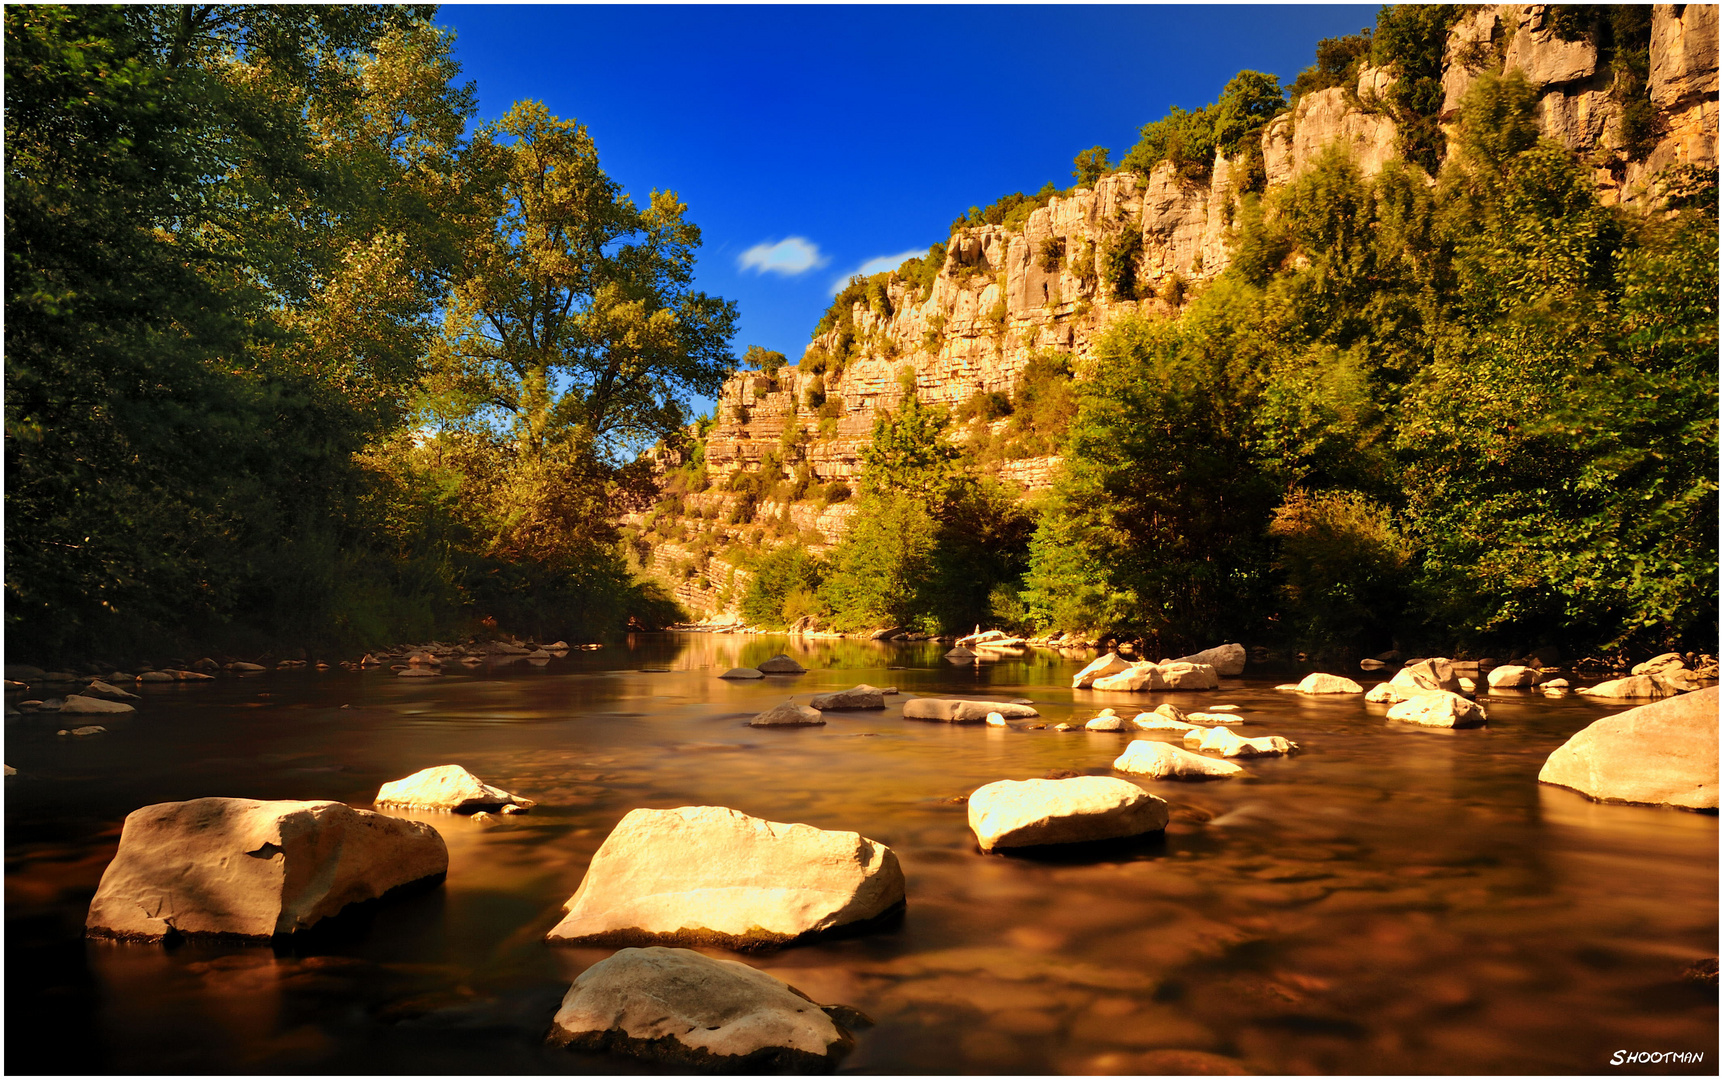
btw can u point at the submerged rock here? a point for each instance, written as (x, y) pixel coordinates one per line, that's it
(859, 697)
(781, 665)
(1028, 813)
(743, 673)
(254, 869)
(955, 711)
(698, 1011)
(1320, 683)
(108, 692)
(1165, 762)
(789, 714)
(84, 732)
(446, 787)
(1664, 753)
(1439, 709)
(712, 875)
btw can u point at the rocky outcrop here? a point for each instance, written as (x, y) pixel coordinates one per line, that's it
(712, 875)
(1664, 753)
(696, 1011)
(1333, 119)
(254, 869)
(1031, 813)
(450, 788)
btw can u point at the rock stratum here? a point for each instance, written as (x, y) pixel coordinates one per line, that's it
(1000, 296)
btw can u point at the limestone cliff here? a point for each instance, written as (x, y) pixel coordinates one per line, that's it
(1004, 294)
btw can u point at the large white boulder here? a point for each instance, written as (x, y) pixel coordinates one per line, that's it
(1180, 675)
(1320, 683)
(1157, 721)
(1663, 753)
(859, 697)
(789, 714)
(1225, 659)
(1029, 813)
(79, 704)
(1434, 674)
(1439, 708)
(1513, 677)
(1165, 762)
(694, 1010)
(254, 869)
(446, 787)
(712, 875)
(955, 711)
(1135, 677)
(1100, 668)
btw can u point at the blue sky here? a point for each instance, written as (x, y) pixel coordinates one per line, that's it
(809, 142)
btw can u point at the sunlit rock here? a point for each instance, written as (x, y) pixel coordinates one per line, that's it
(255, 869)
(995, 720)
(789, 714)
(696, 1011)
(1180, 675)
(956, 711)
(1027, 813)
(1156, 721)
(1110, 664)
(1435, 674)
(1166, 762)
(445, 787)
(1320, 683)
(1106, 722)
(712, 875)
(1634, 686)
(1664, 753)
(1439, 709)
(1230, 744)
(781, 665)
(1134, 677)
(1513, 677)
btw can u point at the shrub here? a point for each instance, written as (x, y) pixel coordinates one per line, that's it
(815, 397)
(764, 360)
(1189, 139)
(1339, 61)
(1120, 263)
(837, 491)
(777, 575)
(1090, 165)
(1052, 253)
(1345, 566)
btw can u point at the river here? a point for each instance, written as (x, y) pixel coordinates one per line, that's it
(1391, 899)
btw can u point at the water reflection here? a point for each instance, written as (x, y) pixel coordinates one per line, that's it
(1391, 899)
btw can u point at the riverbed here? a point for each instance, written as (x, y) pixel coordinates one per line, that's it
(1391, 899)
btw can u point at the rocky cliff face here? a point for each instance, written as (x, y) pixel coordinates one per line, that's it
(1004, 294)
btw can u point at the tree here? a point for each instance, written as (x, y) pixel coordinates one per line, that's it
(1090, 165)
(766, 361)
(573, 322)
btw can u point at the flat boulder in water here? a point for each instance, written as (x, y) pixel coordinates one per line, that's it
(743, 673)
(712, 875)
(1164, 762)
(954, 711)
(1512, 677)
(859, 697)
(1634, 686)
(781, 665)
(107, 691)
(446, 787)
(697, 1011)
(1318, 682)
(77, 703)
(254, 869)
(1031, 813)
(789, 714)
(1664, 753)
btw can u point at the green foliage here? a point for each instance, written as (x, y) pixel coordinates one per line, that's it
(1090, 165)
(1345, 567)
(765, 361)
(1189, 140)
(1012, 211)
(784, 578)
(919, 272)
(1119, 263)
(1412, 38)
(1339, 60)
(1052, 254)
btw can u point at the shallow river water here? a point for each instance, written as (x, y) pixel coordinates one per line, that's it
(1390, 900)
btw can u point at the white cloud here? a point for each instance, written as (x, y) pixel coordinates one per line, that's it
(875, 265)
(789, 256)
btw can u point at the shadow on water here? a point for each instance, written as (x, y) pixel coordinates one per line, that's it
(1389, 900)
